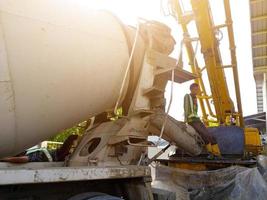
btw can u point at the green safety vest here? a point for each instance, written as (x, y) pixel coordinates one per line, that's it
(190, 110)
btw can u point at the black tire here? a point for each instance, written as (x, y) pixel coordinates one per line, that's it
(93, 196)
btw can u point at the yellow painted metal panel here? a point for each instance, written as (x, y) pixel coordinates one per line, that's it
(252, 141)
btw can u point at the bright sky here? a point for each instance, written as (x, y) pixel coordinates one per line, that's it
(129, 11)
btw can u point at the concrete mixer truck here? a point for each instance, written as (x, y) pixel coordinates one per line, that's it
(61, 64)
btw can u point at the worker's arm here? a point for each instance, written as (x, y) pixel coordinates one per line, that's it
(20, 159)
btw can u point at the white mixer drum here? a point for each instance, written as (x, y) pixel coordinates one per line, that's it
(60, 63)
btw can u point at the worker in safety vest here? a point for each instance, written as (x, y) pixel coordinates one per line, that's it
(43, 154)
(192, 118)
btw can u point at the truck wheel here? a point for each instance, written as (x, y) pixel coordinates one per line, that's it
(94, 196)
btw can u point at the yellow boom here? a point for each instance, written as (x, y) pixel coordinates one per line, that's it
(224, 108)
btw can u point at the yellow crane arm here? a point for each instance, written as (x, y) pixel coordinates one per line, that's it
(201, 14)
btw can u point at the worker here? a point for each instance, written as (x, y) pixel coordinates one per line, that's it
(192, 118)
(43, 154)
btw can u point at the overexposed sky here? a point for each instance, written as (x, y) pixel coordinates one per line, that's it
(129, 11)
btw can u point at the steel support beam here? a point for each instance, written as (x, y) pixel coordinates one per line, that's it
(255, 1)
(259, 46)
(259, 32)
(260, 57)
(257, 18)
(260, 69)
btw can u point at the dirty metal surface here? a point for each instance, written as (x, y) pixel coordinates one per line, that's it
(64, 174)
(30, 165)
(234, 161)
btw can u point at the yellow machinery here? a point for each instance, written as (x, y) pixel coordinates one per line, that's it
(224, 108)
(224, 113)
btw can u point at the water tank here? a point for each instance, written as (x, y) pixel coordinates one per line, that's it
(60, 63)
